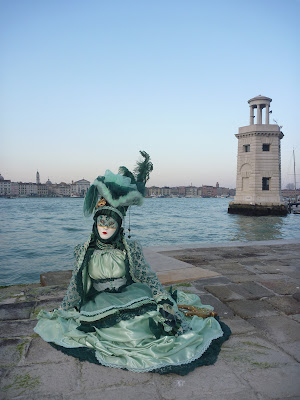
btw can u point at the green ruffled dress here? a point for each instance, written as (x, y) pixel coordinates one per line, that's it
(114, 315)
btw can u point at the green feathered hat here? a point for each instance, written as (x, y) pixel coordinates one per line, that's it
(118, 191)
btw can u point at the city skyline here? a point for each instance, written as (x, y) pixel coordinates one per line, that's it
(73, 181)
(86, 85)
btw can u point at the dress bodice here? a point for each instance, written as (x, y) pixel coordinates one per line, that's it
(105, 264)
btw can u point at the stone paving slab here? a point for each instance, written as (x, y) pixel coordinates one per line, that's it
(228, 269)
(245, 290)
(293, 349)
(251, 352)
(286, 304)
(15, 311)
(40, 352)
(253, 290)
(55, 278)
(279, 328)
(282, 287)
(43, 379)
(11, 329)
(296, 296)
(11, 351)
(252, 308)
(222, 310)
(47, 305)
(184, 275)
(90, 374)
(294, 274)
(296, 317)
(215, 379)
(239, 326)
(142, 391)
(46, 293)
(224, 292)
(275, 383)
(220, 280)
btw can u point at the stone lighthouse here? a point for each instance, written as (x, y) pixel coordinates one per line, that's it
(258, 182)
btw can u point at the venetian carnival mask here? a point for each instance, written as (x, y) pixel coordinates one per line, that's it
(106, 226)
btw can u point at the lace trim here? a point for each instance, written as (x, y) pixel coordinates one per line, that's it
(142, 300)
(129, 258)
(104, 246)
(109, 285)
(114, 319)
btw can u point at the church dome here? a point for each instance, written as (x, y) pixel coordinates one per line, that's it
(1, 178)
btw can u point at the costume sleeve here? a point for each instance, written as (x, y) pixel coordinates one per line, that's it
(72, 297)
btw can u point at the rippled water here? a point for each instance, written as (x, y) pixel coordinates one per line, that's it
(38, 235)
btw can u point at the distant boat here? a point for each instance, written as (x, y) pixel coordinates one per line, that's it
(76, 195)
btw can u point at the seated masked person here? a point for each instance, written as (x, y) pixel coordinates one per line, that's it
(115, 312)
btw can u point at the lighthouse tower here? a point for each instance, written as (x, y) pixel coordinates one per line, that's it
(258, 181)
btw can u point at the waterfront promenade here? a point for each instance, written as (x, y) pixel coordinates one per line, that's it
(254, 287)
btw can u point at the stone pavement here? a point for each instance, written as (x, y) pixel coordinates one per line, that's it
(254, 287)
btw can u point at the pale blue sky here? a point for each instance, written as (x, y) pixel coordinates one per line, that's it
(86, 84)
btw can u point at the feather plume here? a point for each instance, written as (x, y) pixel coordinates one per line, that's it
(90, 201)
(125, 172)
(143, 168)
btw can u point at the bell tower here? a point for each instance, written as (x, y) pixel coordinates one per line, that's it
(258, 181)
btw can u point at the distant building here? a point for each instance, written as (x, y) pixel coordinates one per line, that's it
(209, 191)
(80, 187)
(42, 190)
(174, 191)
(181, 190)
(154, 191)
(191, 191)
(38, 181)
(5, 186)
(165, 191)
(61, 189)
(26, 189)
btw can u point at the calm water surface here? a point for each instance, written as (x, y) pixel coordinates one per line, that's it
(38, 235)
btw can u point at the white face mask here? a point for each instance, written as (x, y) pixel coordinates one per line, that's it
(106, 226)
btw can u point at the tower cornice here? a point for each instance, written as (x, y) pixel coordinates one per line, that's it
(268, 134)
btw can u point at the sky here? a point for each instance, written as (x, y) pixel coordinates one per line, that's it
(86, 84)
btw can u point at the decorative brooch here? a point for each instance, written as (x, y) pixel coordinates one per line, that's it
(101, 203)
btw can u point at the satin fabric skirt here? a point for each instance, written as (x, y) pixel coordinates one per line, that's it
(130, 343)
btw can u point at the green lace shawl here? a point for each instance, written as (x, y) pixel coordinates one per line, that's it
(139, 270)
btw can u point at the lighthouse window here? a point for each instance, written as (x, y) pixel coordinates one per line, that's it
(266, 147)
(266, 183)
(246, 148)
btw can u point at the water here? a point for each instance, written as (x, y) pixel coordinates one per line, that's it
(38, 235)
